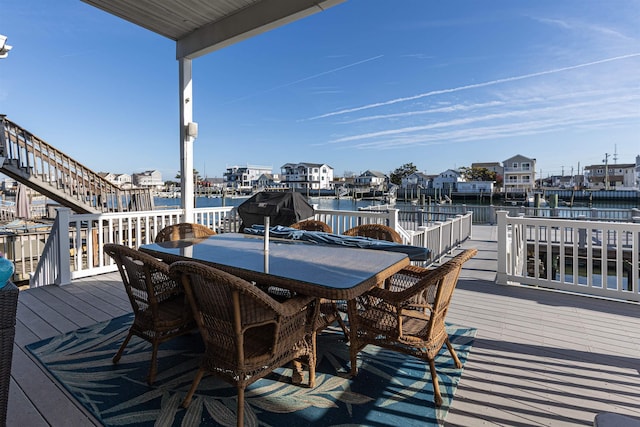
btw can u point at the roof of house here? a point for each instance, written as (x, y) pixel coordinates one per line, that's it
(373, 173)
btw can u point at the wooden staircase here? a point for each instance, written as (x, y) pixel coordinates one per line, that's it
(31, 161)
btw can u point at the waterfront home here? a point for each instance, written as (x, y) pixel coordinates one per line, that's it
(372, 180)
(611, 177)
(149, 179)
(268, 180)
(519, 175)
(307, 176)
(416, 180)
(119, 179)
(244, 178)
(447, 180)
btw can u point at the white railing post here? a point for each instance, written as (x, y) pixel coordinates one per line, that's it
(393, 218)
(501, 276)
(64, 258)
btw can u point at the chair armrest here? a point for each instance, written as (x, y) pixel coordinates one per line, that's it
(387, 295)
(295, 304)
(404, 296)
(414, 271)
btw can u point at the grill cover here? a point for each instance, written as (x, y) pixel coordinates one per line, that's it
(281, 208)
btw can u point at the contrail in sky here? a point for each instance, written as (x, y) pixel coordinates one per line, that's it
(457, 89)
(344, 67)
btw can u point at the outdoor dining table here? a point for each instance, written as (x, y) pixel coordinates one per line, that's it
(337, 273)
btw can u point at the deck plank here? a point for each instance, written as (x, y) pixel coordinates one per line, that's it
(47, 396)
(540, 357)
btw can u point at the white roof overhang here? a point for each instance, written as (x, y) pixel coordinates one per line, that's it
(200, 27)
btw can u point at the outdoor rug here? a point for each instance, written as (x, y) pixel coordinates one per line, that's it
(390, 388)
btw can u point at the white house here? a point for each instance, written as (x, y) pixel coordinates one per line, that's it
(312, 176)
(447, 180)
(151, 178)
(124, 179)
(373, 180)
(244, 177)
(519, 175)
(416, 180)
(108, 176)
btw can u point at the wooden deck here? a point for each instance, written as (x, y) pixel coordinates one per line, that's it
(540, 357)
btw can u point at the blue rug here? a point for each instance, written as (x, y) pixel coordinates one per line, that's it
(390, 388)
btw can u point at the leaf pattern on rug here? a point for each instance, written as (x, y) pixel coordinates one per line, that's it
(118, 394)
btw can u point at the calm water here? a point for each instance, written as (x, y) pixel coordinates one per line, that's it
(345, 204)
(322, 202)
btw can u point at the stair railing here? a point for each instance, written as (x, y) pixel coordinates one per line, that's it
(51, 167)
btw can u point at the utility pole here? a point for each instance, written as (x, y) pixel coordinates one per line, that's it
(606, 171)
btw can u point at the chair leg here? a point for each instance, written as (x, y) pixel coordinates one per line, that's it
(345, 330)
(437, 398)
(240, 416)
(194, 385)
(312, 362)
(118, 355)
(354, 358)
(296, 372)
(154, 363)
(454, 355)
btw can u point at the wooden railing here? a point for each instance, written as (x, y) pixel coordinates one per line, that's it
(31, 161)
(590, 257)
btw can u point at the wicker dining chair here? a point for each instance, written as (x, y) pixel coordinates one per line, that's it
(182, 231)
(375, 231)
(312, 225)
(247, 334)
(410, 318)
(161, 310)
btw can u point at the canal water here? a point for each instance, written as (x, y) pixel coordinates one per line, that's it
(353, 205)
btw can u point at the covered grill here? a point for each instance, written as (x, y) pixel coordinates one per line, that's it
(281, 208)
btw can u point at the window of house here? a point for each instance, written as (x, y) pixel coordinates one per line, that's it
(526, 166)
(515, 165)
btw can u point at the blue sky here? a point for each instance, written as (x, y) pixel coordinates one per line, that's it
(368, 84)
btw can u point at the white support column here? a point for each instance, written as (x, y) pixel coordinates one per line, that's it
(186, 140)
